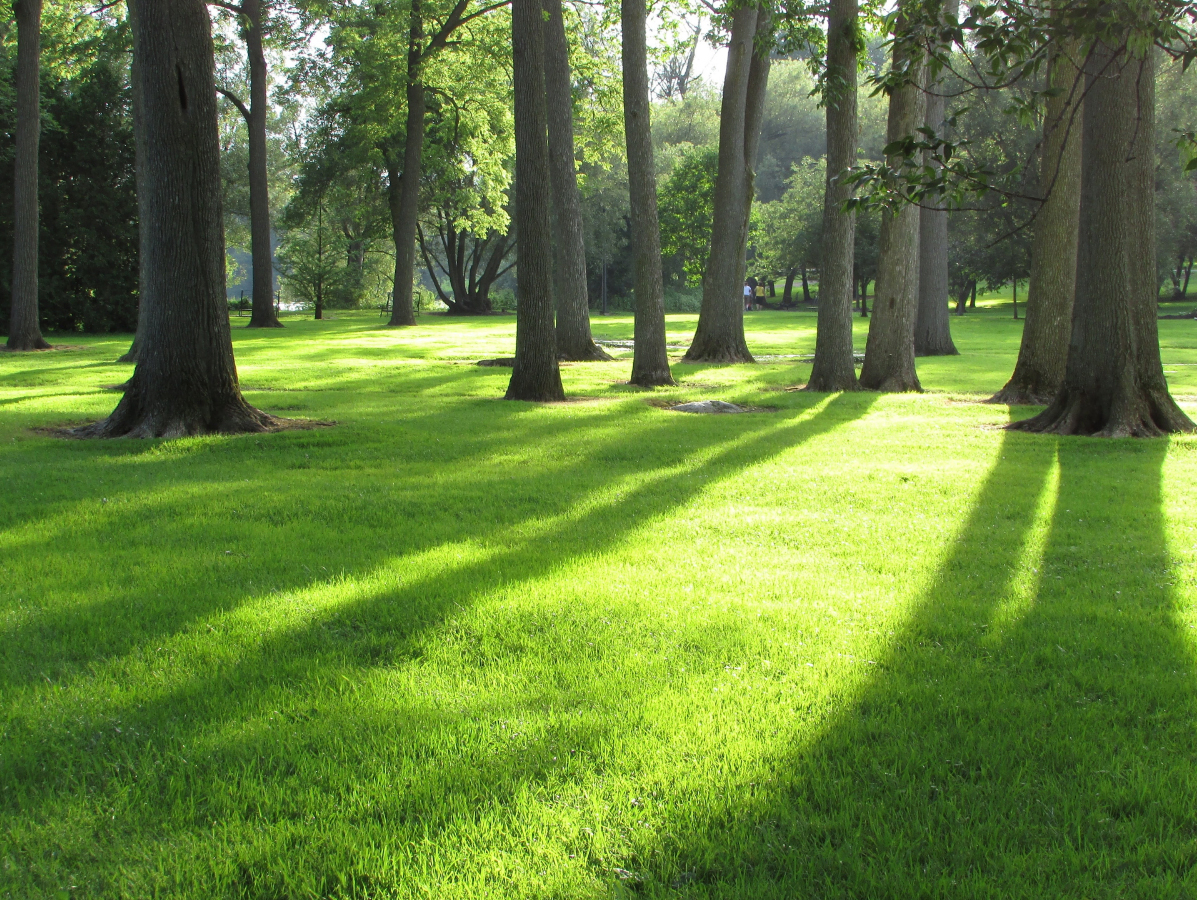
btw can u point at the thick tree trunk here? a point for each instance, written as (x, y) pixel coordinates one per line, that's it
(650, 361)
(889, 351)
(574, 341)
(24, 330)
(720, 333)
(932, 331)
(263, 314)
(404, 195)
(132, 354)
(186, 380)
(1044, 349)
(1114, 383)
(535, 375)
(834, 368)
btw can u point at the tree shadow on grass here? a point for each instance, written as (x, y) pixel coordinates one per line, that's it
(1030, 732)
(218, 717)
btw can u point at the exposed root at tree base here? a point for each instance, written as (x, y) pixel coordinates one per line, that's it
(234, 417)
(594, 354)
(652, 380)
(273, 323)
(724, 356)
(1149, 414)
(831, 385)
(1017, 396)
(893, 385)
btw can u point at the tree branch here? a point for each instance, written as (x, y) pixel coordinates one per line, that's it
(236, 102)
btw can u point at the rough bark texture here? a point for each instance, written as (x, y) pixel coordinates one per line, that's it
(889, 351)
(1114, 383)
(834, 369)
(720, 333)
(263, 314)
(186, 380)
(574, 341)
(1044, 349)
(535, 375)
(650, 362)
(932, 331)
(404, 192)
(24, 330)
(131, 355)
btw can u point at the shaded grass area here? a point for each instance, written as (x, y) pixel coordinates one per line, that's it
(458, 647)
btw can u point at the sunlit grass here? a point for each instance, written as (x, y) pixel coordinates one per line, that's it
(855, 646)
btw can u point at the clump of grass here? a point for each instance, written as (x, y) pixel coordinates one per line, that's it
(857, 646)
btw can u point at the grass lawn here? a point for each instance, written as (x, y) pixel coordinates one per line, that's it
(849, 646)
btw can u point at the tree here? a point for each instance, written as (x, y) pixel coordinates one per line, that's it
(685, 205)
(405, 181)
(311, 258)
(834, 367)
(889, 351)
(250, 14)
(1114, 381)
(787, 233)
(932, 333)
(25, 331)
(650, 361)
(186, 380)
(720, 333)
(574, 341)
(535, 374)
(1043, 351)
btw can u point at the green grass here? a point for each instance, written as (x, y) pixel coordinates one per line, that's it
(856, 646)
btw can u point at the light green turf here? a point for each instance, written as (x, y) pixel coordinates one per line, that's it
(856, 646)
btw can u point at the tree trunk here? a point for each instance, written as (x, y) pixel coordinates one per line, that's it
(932, 331)
(24, 332)
(834, 368)
(132, 354)
(263, 314)
(535, 375)
(650, 361)
(720, 333)
(405, 195)
(1039, 372)
(889, 351)
(864, 298)
(1015, 299)
(574, 341)
(972, 302)
(787, 294)
(805, 287)
(186, 380)
(1184, 290)
(1114, 381)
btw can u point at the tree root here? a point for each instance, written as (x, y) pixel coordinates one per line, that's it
(1151, 413)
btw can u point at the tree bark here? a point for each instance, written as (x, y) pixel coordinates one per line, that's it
(186, 379)
(889, 351)
(24, 331)
(1114, 383)
(133, 353)
(535, 375)
(932, 331)
(787, 294)
(574, 341)
(1039, 372)
(263, 314)
(834, 367)
(650, 361)
(720, 333)
(404, 193)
